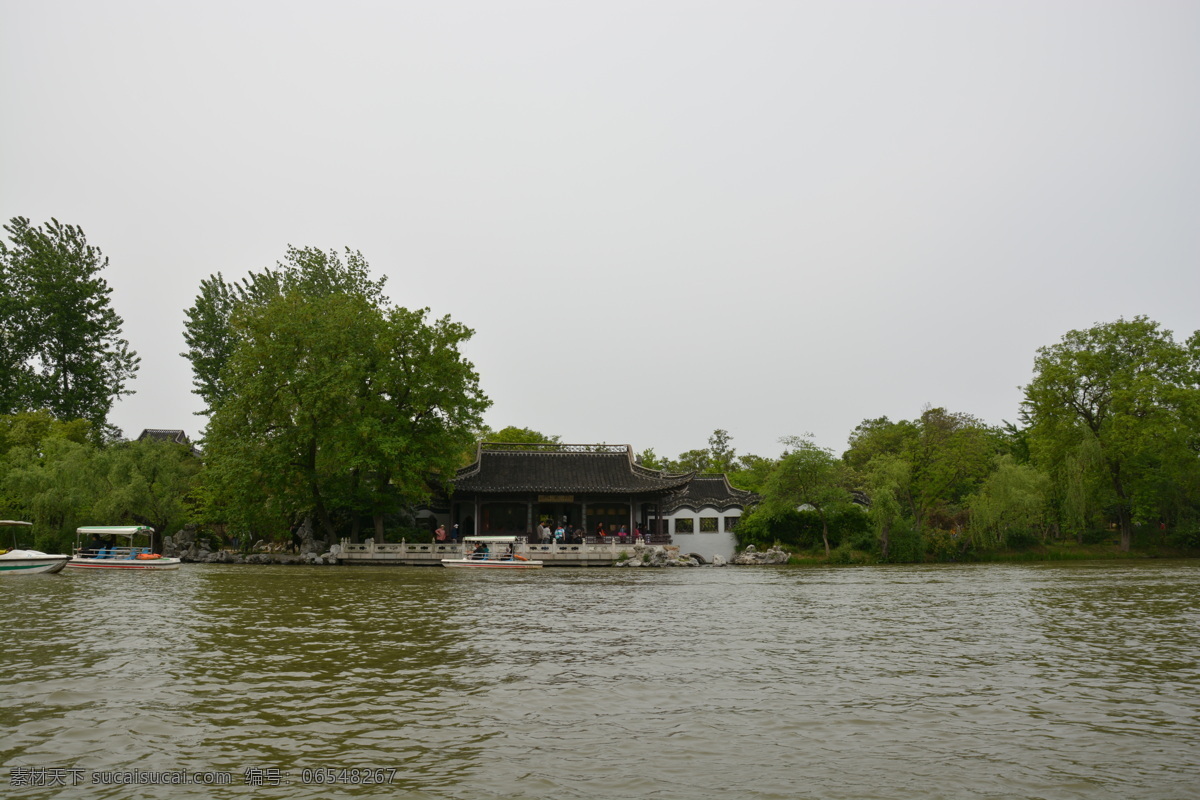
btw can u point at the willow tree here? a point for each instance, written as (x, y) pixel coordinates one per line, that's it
(1130, 389)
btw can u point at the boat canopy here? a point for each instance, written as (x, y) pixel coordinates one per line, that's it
(126, 530)
(14, 522)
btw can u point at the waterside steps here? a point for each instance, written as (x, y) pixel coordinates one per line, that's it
(428, 554)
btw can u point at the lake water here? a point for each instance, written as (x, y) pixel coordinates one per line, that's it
(972, 681)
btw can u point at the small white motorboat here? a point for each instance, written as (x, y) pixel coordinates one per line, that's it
(28, 562)
(507, 554)
(117, 547)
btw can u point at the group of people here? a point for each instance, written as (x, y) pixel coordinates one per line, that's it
(482, 552)
(565, 533)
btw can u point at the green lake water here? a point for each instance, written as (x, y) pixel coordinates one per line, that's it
(955, 681)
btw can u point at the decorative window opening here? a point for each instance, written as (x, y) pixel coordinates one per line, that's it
(731, 523)
(708, 524)
(684, 525)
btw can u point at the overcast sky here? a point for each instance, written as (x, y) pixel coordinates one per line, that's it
(660, 218)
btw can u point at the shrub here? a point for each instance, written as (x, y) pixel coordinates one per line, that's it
(906, 545)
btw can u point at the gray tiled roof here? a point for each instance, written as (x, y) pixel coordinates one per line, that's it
(563, 469)
(709, 490)
(164, 435)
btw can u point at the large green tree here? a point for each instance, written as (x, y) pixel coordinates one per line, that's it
(947, 456)
(1131, 390)
(60, 339)
(329, 399)
(211, 332)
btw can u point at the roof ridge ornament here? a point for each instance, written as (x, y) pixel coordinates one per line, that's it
(554, 447)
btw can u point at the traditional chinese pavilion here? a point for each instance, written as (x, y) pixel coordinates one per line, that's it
(511, 488)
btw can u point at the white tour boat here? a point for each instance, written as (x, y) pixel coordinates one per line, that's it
(28, 562)
(130, 549)
(493, 552)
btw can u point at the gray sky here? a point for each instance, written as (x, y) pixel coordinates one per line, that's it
(660, 218)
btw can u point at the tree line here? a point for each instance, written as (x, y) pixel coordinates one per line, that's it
(1107, 444)
(326, 401)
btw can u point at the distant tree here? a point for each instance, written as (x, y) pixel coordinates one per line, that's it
(880, 436)
(807, 476)
(692, 461)
(25, 486)
(950, 457)
(1011, 505)
(722, 456)
(888, 485)
(647, 458)
(60, 340)
(521, 436)
(147, 482)
(751, 472)
(1131, 389)
(53, 486)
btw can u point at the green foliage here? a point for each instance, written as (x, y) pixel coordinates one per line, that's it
(808, 476)
(718, 457)
(212, 334)
(519, 436)
(330, 402)
(53, 485)
(907, 545)
(888, 481)
(1129, 388)
(721, 455)
(692, 461)
(950, 457)
(648, 459)
(876, 437)
(148, 482)
(60, 348)
(1011, 508)
(751, 472)
(803, 530)
(944, 545)
(54, 475)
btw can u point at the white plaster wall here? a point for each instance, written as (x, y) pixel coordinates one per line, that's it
(722, 543)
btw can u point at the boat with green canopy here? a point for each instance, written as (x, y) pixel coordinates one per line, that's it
(117, 547)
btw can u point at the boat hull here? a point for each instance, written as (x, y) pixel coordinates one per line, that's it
(43, 565)
(471, 563)
(124, 563)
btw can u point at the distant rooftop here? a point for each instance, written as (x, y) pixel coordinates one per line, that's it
(517, 468)
(168, 435)
(164, 435)
(710, 490)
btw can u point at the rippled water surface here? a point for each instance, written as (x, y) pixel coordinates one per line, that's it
(987, 681)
